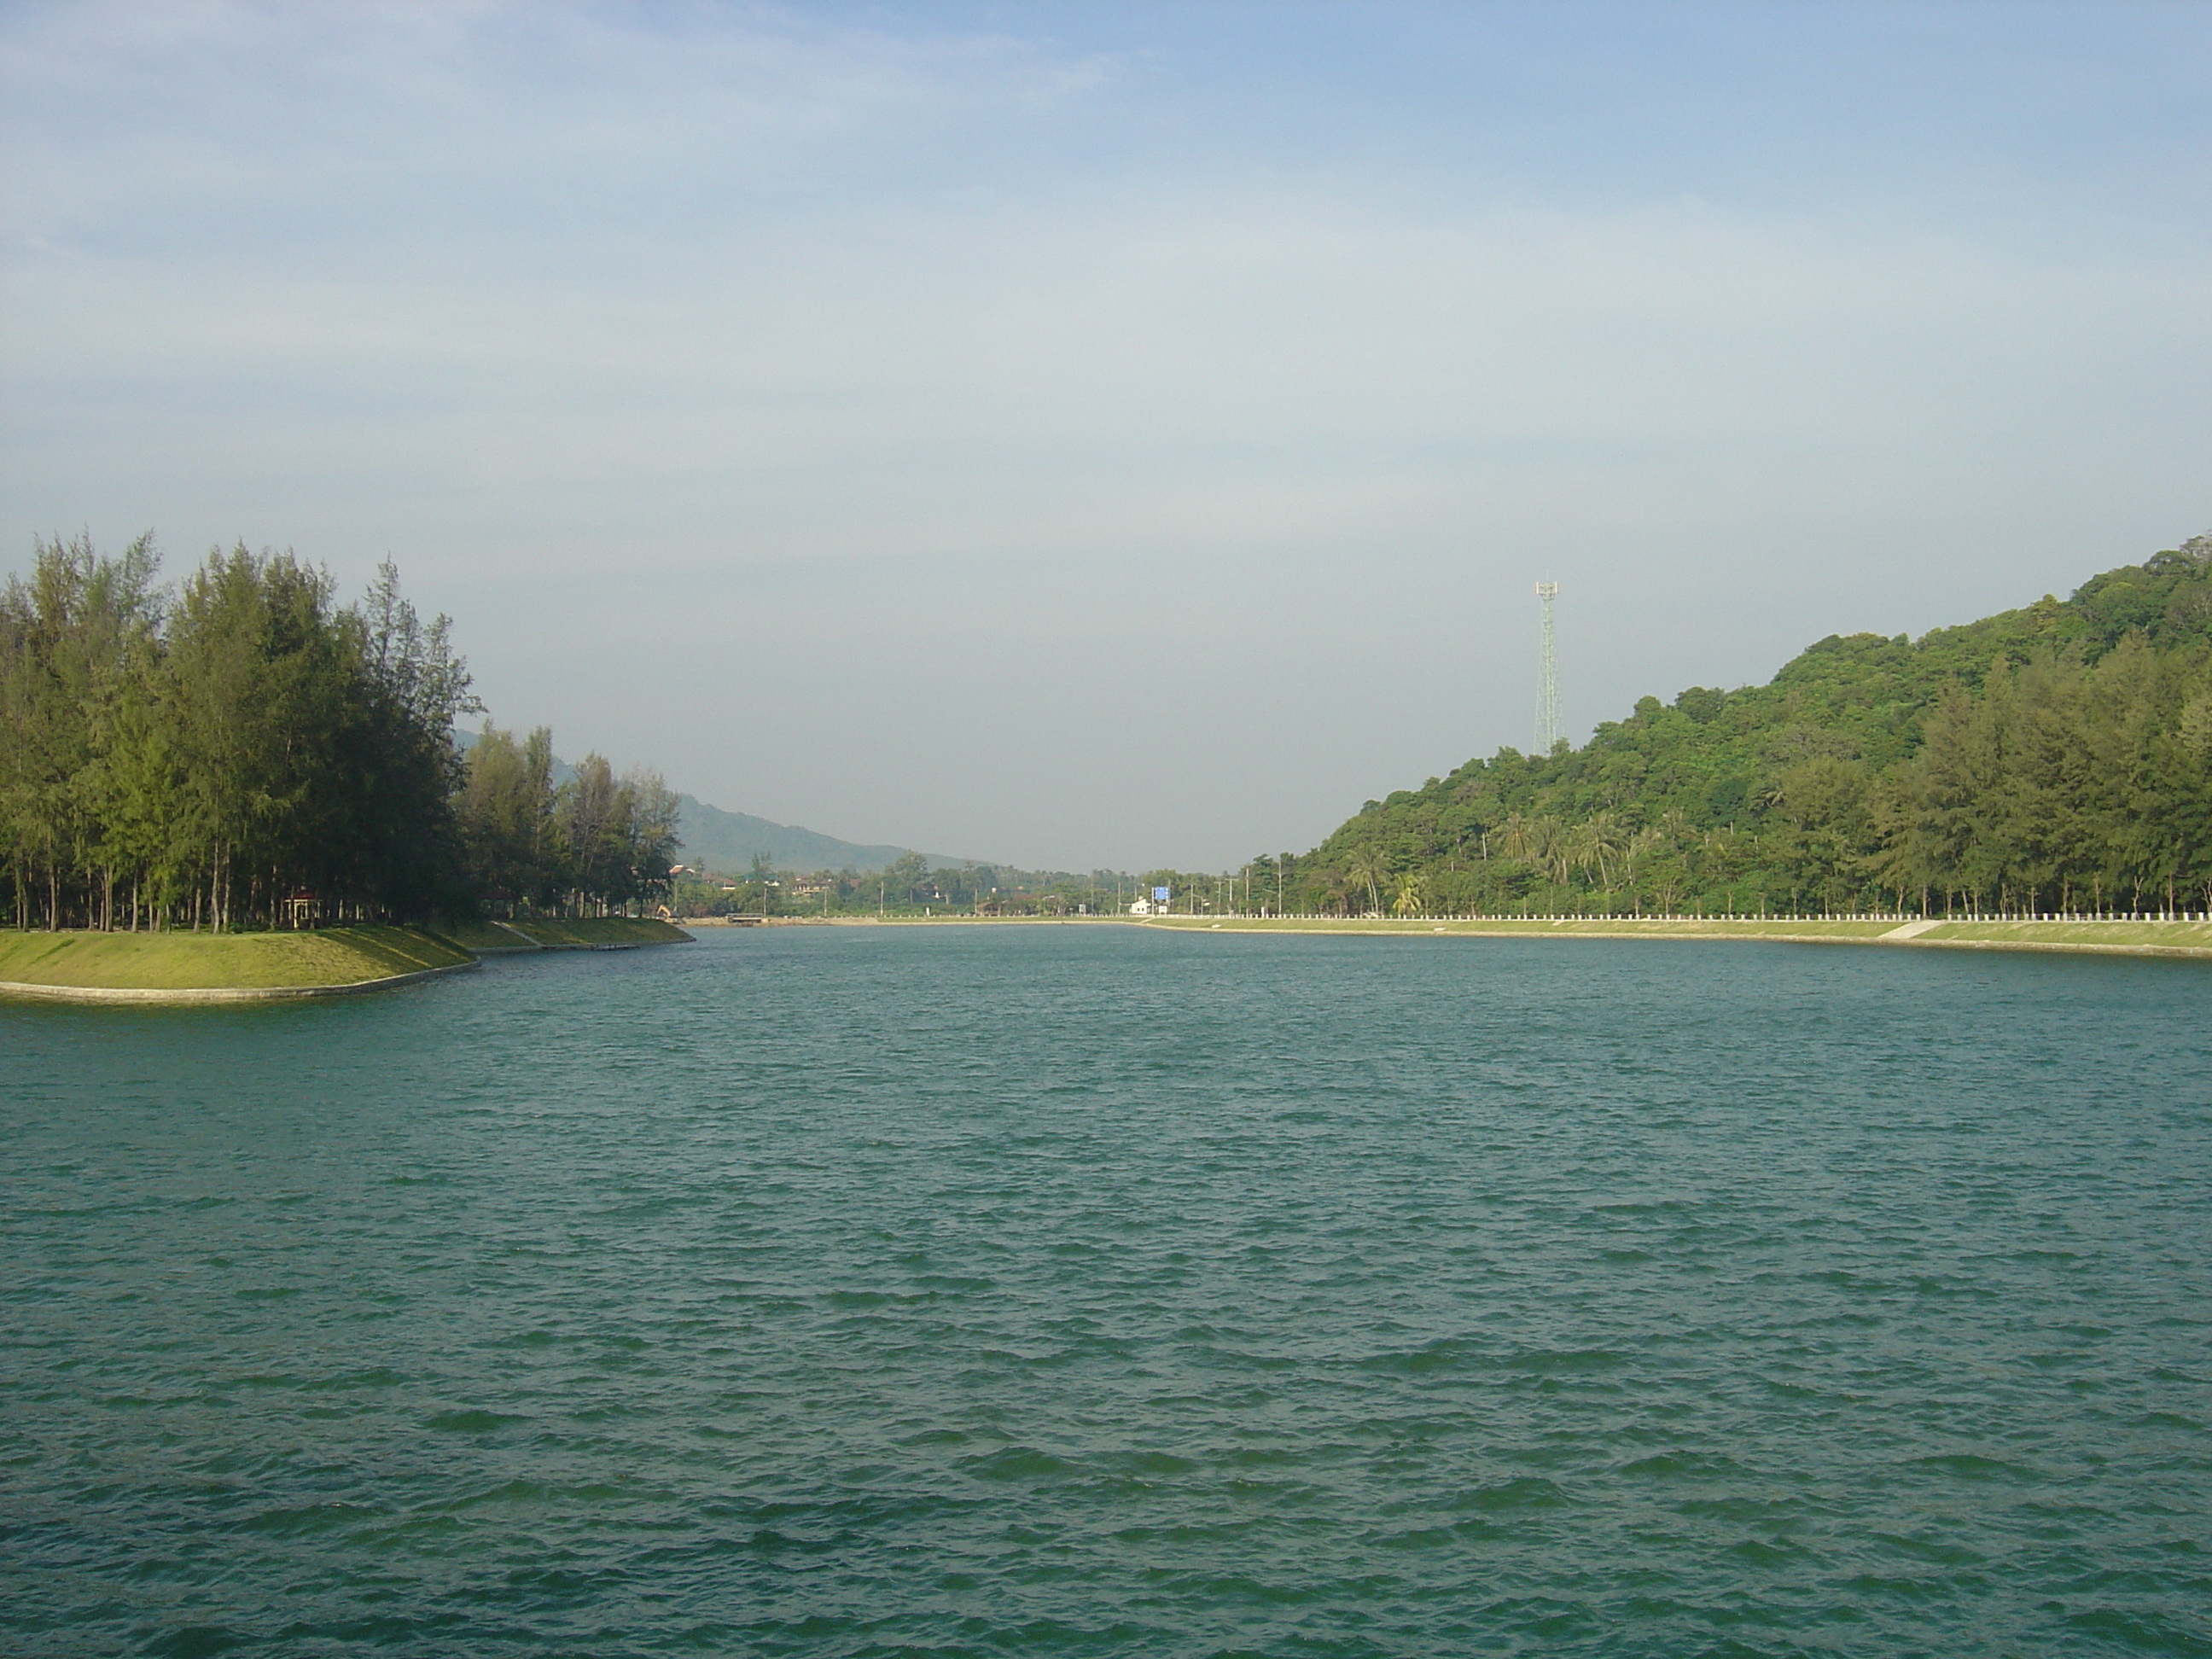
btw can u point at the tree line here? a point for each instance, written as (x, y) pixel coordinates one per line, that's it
(909, 885)
(243, 751)
(2053, 759)
(588, 843)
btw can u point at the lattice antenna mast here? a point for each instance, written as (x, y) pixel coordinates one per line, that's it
(1547, 673)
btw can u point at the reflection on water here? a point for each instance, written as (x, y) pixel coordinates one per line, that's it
(1089, 1291)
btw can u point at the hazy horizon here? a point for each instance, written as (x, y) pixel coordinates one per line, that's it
(1111, 436)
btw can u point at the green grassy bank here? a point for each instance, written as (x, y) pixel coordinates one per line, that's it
(2125, 938)
(145, 964)
(186, 960)
(590, 933)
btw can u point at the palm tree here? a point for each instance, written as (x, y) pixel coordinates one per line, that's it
(1562, 849)
(1370, 867)
(1523, 837)
(1412, 894)
(1644, 844)
(1598, 838)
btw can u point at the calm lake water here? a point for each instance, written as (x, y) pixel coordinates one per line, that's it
(1091, 1290)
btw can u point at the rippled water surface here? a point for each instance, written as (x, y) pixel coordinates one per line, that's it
(1087, 1290)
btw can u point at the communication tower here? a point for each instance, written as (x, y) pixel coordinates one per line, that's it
(1547, 673)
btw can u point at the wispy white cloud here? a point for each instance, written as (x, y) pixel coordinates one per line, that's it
(881, 324)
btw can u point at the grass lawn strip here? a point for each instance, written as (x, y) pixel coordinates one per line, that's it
(482, 936)
(187, 961)
(591, 932)
(189, 964)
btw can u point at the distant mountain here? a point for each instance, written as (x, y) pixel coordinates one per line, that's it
(729, 841)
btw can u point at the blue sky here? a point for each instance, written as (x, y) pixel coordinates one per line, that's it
(1112, 434)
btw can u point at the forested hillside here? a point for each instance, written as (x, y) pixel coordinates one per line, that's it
(246, 751)
(2053, 758)
(729, 841)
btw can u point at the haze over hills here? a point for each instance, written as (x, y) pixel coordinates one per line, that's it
(724, 840)
(731, 840)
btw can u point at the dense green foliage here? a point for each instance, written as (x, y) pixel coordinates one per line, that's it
(593, 843)
(245, 752)
(2054, 758)
(587, 846)
(209, 755)
(909, 886)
